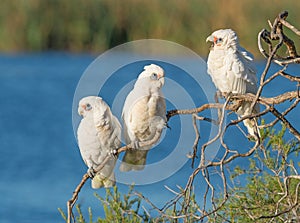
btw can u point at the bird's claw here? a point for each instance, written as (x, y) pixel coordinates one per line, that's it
(220, 94)
(135, 145)
(114, 153)
(253, 138)
(91, 172)
(167, 125)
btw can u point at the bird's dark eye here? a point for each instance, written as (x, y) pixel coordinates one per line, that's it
(219, 40)
(88, 107)
(154, 76)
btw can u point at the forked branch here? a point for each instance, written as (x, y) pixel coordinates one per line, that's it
(114, 153)
(274, 39)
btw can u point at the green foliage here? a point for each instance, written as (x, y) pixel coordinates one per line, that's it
(267, 194)
(267, 191)
(121, 208)
(117, 208)
(96, 25)
(62, 213)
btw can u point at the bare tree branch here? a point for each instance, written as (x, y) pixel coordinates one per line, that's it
(286, 122)
(85, 177)
(272, 40)
(278, 34)
(238, 101)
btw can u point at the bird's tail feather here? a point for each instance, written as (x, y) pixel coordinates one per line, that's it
(134, 160)
(100, 181)
(251, 124)
(252, 127)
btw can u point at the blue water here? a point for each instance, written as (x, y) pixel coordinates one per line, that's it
(40, 161)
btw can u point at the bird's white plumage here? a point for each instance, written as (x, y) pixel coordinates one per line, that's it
(144, 113)
(99, 132)
(232, 69)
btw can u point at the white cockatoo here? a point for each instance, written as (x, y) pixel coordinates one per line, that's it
(232, 70)
(144, 114)
(98, 134)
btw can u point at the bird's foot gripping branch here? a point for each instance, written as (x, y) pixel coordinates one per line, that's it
(270, 173)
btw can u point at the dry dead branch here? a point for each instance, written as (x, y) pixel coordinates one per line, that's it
(274, 40)
(277, 34)
(85, 177)
(269, 104)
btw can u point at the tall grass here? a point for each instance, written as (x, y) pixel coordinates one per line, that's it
(96, 25)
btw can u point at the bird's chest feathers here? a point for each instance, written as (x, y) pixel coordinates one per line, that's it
(144, 110)
(216, 66)
(87, 134)
(97, 130)
(217, 59)
(220, 68)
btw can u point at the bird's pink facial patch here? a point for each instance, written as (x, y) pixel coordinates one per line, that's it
(216, 41)
(159, 75)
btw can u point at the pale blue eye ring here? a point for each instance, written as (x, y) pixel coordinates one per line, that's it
(154, 76)
(88, 107)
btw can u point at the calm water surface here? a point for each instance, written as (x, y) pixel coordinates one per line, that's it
(41, 164)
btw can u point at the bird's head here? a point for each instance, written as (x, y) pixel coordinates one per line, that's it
(88, 104)
(153, 74)
(223, 38)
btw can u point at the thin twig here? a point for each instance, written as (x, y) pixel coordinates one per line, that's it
(273, 40)
(286, 122)
(85, 177)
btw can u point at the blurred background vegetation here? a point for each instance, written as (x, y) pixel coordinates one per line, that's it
(97, 25)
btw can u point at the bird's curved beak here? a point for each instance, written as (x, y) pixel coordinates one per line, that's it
(162, 80)
(159, 75)
(210, 39)
(81, 110)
